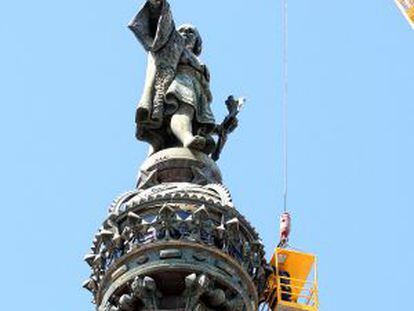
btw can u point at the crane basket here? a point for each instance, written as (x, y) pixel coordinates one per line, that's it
(293, 284)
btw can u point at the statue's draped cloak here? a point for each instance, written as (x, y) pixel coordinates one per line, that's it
(174, 75)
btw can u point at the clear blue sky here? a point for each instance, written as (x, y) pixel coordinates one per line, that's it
(70, 76)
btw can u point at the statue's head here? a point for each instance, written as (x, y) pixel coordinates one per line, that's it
(192, 38)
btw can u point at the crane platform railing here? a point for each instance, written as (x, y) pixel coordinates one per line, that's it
(298, 294)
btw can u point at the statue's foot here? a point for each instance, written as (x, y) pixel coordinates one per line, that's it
(196, 143)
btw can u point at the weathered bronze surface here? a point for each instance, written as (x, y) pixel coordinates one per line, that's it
(174, 110)
(176, 242)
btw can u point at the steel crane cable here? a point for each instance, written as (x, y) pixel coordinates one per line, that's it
(285, 218)
(285, 90)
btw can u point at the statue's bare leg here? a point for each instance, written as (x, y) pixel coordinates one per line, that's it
(181, 126)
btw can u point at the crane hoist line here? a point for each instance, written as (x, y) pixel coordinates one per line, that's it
(292, 285)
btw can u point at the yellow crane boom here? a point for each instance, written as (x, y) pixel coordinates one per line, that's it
(407, 8)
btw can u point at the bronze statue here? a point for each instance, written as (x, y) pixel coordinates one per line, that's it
(177, 241)
(174, 109)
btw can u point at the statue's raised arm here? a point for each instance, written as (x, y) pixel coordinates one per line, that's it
(153, 25)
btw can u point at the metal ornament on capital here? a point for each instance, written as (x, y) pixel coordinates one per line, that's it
(177, 242)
